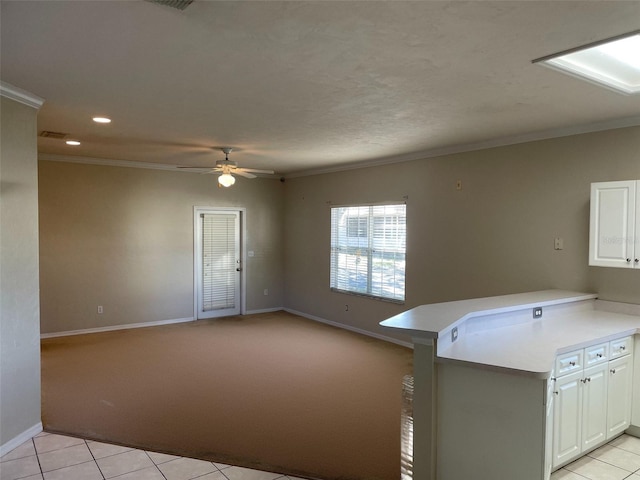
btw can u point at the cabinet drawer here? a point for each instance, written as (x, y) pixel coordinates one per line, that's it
(596, 354)
(569, 362)
(620, 347)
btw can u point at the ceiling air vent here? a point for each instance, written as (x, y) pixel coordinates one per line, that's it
(179, 4)
(56, 135)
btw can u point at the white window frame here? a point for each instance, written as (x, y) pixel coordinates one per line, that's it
(353, 257)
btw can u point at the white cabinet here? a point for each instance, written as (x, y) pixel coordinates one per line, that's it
(614, 239)
(567, 418)
(594, 406)
(580, 408)
(619, 401)
(592, 398)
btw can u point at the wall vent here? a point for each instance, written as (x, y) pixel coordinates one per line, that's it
(179, 4)
(56, 135)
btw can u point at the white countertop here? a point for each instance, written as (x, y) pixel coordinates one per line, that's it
(531, 348)
(526, 348)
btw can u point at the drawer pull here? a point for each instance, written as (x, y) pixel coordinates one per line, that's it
(599, 355)
(622, 348)
(613, 371)
(573, 364)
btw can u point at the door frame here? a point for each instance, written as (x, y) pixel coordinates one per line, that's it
(197, 211)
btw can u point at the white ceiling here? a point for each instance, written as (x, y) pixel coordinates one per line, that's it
(306, 86)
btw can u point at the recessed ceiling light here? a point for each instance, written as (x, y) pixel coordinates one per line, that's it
(612, 63)
(72, 142)
(101, 120)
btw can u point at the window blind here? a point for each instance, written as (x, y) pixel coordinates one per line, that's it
(218, 262)
(368, 250)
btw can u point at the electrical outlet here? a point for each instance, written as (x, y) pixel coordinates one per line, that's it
(454, 334)
(558, 243)
(266, 291)
(537, 312)
(100, 309)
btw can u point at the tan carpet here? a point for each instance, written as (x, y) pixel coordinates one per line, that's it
(271, 391)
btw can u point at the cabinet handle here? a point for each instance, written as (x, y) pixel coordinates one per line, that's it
(613, 371)
(636, 260)
(628, 260)
(622, 347)
(556, 392)
(599, 355)
(573, 364)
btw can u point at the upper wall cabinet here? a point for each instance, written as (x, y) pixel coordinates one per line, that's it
(615, 221)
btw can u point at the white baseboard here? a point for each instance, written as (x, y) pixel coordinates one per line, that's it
(20, 439)
(249, 312)
(264, 310)
(116, 327)
(351, 329)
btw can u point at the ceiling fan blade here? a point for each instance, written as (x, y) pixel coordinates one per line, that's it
(243, 173)
(209, 170)
(253, 170)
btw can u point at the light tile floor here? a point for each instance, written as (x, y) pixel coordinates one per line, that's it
(58, 457)
(618, 460)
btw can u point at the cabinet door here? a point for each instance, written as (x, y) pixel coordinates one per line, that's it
(567, 418)
(594, 405)
(612, 224)
(619, 401)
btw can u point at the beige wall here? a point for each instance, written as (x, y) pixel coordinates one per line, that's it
(19, 304)
(493, 237)
(123, 238)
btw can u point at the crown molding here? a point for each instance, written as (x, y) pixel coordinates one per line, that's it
(19, 95)
(633, 121)
(437, 152)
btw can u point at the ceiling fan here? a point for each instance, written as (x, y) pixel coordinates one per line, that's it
(226, 167)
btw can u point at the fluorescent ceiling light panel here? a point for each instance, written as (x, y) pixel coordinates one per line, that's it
(613, 63)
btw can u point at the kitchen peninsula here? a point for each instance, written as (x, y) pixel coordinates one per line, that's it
(516, 386)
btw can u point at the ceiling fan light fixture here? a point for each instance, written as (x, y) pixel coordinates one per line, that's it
(226, 180)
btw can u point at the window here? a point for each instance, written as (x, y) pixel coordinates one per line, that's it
(368, 250)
